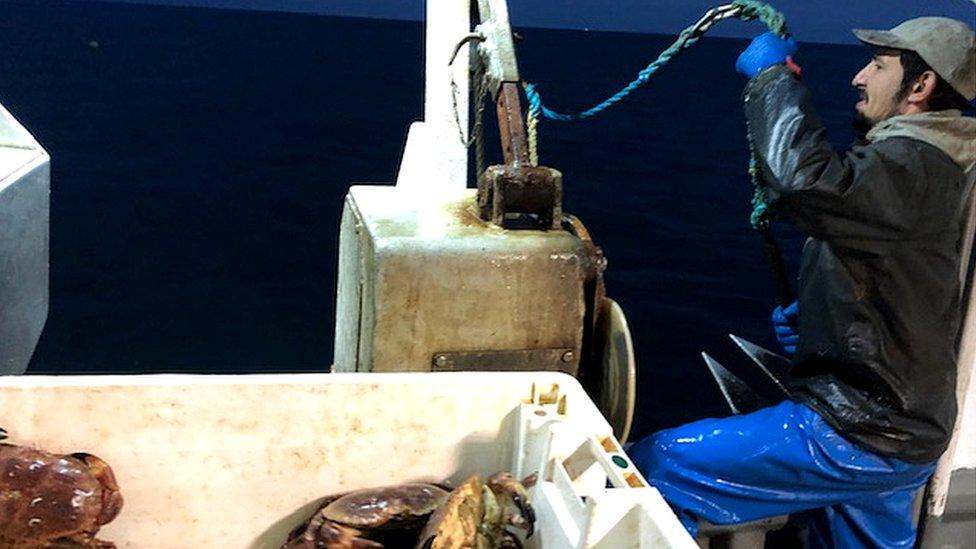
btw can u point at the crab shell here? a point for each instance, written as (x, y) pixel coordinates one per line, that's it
(402, 506)
(456, 523)
(345, 521)
(48, 499)
(476, 514)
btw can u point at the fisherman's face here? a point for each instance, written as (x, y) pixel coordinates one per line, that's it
(878, 83)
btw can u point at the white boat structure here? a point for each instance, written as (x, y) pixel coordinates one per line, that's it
(473, 334)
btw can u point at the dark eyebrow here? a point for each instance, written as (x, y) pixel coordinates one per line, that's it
(885, 52)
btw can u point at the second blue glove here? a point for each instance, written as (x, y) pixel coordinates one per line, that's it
(764, 51)
(784, 325)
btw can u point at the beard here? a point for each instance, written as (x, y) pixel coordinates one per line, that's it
(861, 126)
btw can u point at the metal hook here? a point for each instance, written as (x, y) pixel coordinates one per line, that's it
(472, 37)
(713, 16)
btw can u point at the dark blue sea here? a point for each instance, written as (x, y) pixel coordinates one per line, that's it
(200, 158)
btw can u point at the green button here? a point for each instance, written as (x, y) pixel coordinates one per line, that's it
(620, 462)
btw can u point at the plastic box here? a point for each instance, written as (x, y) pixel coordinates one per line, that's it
(238, 461)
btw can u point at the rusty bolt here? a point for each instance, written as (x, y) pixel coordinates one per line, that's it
(567, 356)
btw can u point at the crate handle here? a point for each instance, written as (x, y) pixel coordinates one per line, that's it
(606, 452)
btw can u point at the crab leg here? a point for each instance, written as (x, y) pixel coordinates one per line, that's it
(504, 484)
(324, 532)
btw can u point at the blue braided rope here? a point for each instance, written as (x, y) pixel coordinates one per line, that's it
(751, 9)
(685, 39)
(537, 107)
(760, 209)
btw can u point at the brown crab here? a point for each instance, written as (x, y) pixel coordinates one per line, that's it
(370, 518)
(50, 500)
(476, 516)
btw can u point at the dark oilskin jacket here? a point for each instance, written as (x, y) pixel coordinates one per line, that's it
(879, 285)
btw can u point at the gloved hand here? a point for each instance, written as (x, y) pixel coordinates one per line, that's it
(763, 52)
(784, 325)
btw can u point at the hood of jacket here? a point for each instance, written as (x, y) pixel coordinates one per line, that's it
(948, 131)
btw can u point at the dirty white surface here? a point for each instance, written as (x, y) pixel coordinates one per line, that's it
(435, 159)
(420, 277)
(238, 461)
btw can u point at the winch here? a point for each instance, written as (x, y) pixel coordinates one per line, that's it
(436, 276)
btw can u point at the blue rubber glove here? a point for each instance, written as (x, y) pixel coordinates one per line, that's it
(784, 325)
(763, 52)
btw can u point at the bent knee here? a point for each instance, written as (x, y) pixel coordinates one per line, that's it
(656, 453)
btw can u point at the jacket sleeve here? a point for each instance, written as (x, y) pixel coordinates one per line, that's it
(864, 199)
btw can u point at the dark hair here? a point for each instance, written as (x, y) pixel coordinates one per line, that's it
(943, 97)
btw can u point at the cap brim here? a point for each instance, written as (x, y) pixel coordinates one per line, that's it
(881, 38)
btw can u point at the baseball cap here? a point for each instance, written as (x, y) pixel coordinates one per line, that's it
(946, 45)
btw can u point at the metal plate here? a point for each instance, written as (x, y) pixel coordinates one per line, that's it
(528, 360)
(618, 392)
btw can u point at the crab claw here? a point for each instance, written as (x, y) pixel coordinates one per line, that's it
(505, 484)
(111, 496)
(322, 532)
(509, 541)
(337, 536)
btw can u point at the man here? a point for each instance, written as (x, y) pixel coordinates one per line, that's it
(873, 391)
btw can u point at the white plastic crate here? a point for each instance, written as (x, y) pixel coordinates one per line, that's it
(238, 461)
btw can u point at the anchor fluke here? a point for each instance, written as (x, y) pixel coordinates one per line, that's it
(739, 396)
(776, 367)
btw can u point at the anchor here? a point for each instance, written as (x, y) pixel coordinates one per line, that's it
(739, 395)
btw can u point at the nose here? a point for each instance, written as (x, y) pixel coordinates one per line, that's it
(860, 79)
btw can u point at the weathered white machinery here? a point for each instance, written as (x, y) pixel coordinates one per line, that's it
(434, 276)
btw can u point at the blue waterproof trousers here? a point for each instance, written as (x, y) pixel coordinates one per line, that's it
(782, 460)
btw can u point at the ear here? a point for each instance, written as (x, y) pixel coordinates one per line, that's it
(922, 89)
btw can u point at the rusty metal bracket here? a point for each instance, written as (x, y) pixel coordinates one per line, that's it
(517, 195)
(511, 128)
(521, 197)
